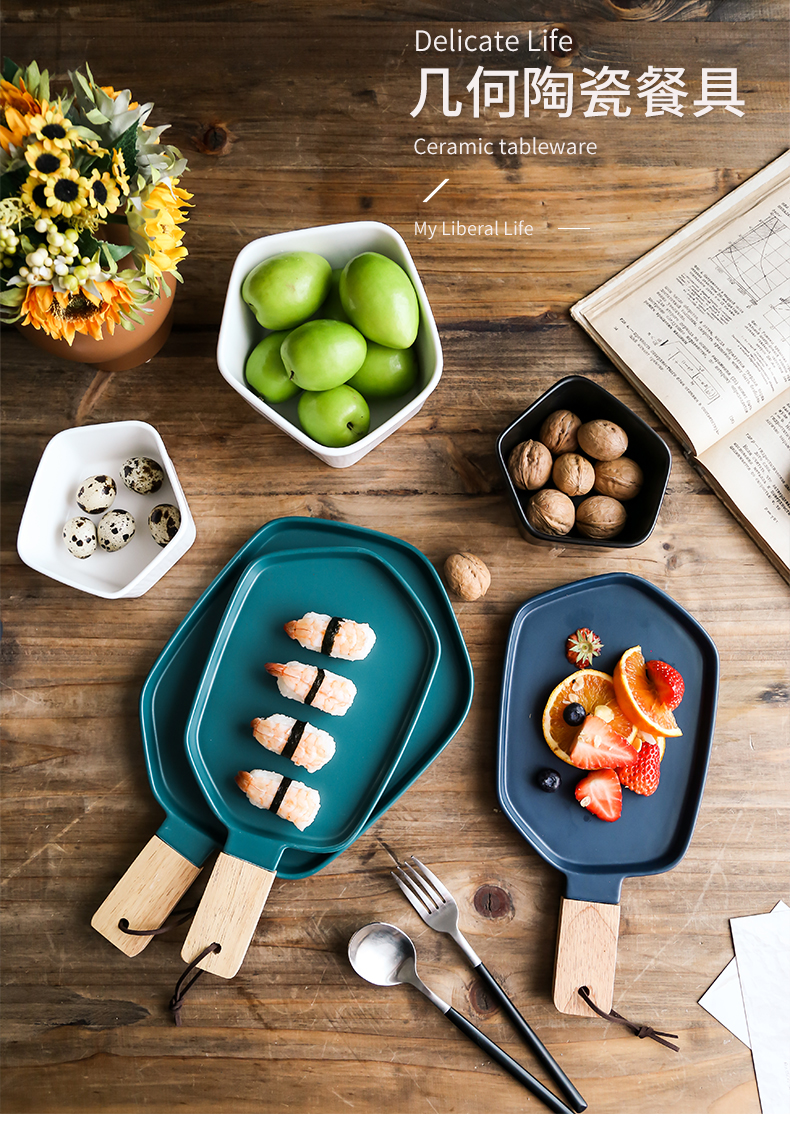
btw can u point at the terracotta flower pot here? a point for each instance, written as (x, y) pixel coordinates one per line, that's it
(124, 349)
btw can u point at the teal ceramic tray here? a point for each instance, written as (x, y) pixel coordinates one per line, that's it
(392, 683)
(190, 826)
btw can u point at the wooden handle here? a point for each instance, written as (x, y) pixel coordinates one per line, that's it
(586, 955)
(145, 895)
(228, 913)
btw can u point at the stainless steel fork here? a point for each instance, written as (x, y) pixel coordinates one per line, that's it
(439, 910)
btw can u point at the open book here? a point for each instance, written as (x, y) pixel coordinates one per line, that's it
(701, 327)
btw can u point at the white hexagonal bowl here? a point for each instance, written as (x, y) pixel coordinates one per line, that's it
(240, 332)
(72, 456)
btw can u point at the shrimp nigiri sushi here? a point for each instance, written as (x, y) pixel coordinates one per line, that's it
(302, 743)
(287, 798)
(344, 639)
(314, 686)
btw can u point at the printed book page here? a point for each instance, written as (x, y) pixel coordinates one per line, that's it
(752, 467)
(702, 323)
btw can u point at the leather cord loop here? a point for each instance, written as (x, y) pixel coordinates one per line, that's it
(642, 1031)
(184, 915)
(181, 989)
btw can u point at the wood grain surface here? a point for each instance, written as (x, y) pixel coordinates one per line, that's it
(290, 117)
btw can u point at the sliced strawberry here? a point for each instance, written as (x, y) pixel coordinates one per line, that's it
(598, 746)
(667, 683)
(582, 646)
(600, 793)
(643, 775)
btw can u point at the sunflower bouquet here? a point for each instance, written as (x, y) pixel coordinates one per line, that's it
(69, 166)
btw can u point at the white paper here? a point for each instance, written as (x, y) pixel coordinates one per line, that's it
(724, 1001)
(762, 951)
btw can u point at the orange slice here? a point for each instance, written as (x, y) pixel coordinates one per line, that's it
(595, 691)
(636, 697)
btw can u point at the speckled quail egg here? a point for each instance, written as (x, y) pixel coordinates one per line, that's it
(96, 494)
(116, 530)
(164, 522)
(79, 535)
(142, 475)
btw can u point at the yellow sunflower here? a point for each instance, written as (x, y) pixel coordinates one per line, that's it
(33, 195)
(15, 130)
(46, 162)
(66, 193)
(119, 171)
(103, 193)
(164, 235)
(53, 129)
(81, 313)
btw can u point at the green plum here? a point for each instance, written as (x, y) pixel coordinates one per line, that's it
(385, 372)
(333, 307)
(286, 289)
(335, 417)
(380, 300)
(266, 373)
(324, 353)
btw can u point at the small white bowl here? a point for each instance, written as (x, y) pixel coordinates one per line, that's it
(240, 331)
(69, 458)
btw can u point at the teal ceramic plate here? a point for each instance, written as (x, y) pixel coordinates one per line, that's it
(391, 683)
(190, 826)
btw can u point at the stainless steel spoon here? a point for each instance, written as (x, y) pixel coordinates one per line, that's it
(384, 955)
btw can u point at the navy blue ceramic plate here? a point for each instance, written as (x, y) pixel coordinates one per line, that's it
(653, 833)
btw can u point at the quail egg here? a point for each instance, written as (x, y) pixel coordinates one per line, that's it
(116, 529)
(142, 475)
(96, 494)
(164, 522)
(79, 535)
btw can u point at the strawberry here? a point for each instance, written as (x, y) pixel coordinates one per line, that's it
(600, 793)
(598, 746)
(582, 646)
(667, 683)
(642, 775)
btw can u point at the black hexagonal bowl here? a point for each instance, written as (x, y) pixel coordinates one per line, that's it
(591, 402)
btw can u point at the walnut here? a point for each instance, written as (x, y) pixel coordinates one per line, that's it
(551, 512)
(600, 517)
(619, 478)
(467, 576)
(602, 439)
(530, 465)
(559, 430)
(573, 474)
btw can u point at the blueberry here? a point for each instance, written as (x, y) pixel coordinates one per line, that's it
(574, 714)
(549, 780)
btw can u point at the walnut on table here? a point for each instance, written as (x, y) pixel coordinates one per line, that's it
(467, 576)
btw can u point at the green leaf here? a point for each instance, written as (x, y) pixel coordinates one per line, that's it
(9, 69)
(11, 182)
(127, 145)
(113, 252)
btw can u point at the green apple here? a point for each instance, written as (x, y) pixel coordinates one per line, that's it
(285, 289)
(336, 417)
(321, 354)
(385, 372)
(333, 307)
(266, 373)
(380, 300)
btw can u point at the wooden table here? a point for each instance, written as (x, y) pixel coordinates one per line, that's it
(290, 118)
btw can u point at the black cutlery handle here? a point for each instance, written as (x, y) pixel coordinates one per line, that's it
(503, 1059)
(542, 1053)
